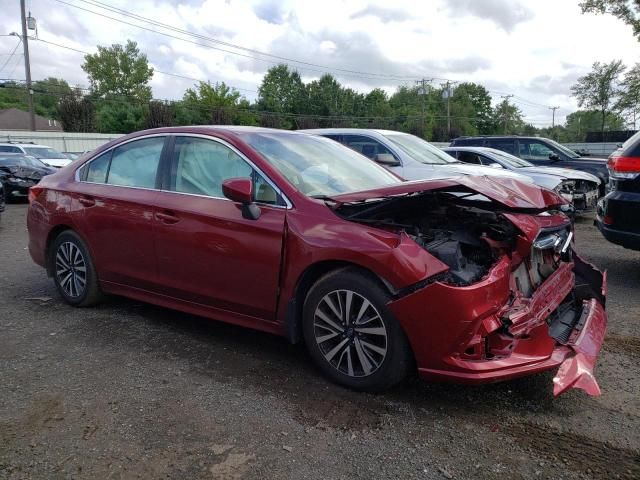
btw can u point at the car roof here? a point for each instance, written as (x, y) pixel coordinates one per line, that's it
(14, 144)
(524, 137)
(353, 130)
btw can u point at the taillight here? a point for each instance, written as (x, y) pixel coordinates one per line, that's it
(34, 192)
(624, 167)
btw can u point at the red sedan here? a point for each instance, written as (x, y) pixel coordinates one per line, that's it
(466, 279)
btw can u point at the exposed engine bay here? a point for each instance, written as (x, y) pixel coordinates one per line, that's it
(466, 238)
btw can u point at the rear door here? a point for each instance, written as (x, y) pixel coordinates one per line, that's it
(208, 253)
(115, 198)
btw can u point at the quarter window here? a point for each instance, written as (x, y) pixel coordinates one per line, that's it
(135, 164)
(97, 169)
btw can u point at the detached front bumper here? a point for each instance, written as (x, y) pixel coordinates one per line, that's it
(482, 333)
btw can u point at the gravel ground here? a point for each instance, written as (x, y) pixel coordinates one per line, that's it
(128, 390)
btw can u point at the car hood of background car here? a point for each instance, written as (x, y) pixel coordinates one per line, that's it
(561, 172)
(514, 194)
(467, 169)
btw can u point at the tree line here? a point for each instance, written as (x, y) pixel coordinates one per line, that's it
(119, 100)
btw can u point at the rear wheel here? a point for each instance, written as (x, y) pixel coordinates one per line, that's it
(73, 271)
(350, 333)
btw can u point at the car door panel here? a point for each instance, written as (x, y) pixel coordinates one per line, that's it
(207, 252)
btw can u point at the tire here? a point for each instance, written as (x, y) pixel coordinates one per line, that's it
(368, 352)
(75, 279)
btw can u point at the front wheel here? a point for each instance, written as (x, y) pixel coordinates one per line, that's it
(350, 333)
(73, 271)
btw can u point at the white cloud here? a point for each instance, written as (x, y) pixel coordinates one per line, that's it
(534, 49)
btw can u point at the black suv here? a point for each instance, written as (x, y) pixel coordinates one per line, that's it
(619, 212)
(540, 151)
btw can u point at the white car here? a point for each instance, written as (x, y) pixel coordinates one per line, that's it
(45, 154)
(408, 156)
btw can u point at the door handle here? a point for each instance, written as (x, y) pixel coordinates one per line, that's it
(166, 217)
(87, 201)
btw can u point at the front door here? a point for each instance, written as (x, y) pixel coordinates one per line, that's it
(208, 253)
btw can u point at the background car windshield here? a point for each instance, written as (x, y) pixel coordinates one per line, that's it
(43, 152)
(510, 160)
(319, 166)
(421, 150)
(16, 160)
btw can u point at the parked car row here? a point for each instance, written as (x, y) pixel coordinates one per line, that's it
(466, 278)
(47, 155)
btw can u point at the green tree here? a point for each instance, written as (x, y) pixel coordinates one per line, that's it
(580, 122)
(119, 71)
(626, 10)
(630, 98)
(509, 118)
(600, 90)
(77, 113)
(480, 100)
(281, 91)
(119, 115)
(208, 103)
(48, 94)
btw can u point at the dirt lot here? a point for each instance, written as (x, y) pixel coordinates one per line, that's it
(128, 390)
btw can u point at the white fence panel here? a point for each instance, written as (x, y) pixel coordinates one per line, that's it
(62, 141)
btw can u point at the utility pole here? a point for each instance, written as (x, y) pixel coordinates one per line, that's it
(553, 117)
(27, 66)
(447, 87)
(424, 82)
(506, 111)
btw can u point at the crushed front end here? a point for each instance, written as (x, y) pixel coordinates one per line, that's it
(582, 194)
(515, 299)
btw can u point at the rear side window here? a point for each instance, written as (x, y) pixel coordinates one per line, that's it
(469, 157)
(135, 164)
(96, 170)
(9, 148)
(468, 142)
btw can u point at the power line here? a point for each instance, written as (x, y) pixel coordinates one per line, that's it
(155, 70)
(276, 59)
(13, 52)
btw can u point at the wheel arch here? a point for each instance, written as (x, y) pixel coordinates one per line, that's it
(313, 273)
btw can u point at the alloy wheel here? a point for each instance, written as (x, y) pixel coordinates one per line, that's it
(350, 333)
(71, 269)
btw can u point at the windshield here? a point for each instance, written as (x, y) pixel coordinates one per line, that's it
(43, 152)
(420, 150)
(319, 167)
(509, 159)
(567, 151)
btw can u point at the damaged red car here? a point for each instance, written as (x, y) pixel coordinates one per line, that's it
(465, 279)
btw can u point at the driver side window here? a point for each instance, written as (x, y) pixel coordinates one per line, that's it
(365, 145)
(534, 150)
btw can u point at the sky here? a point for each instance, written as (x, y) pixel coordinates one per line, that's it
(533, 49)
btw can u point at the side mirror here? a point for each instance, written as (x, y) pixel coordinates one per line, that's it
(554, 157)
(386, 159)
(241, 190)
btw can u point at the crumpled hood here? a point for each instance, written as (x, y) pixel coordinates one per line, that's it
(568, 173)
(507, 191)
